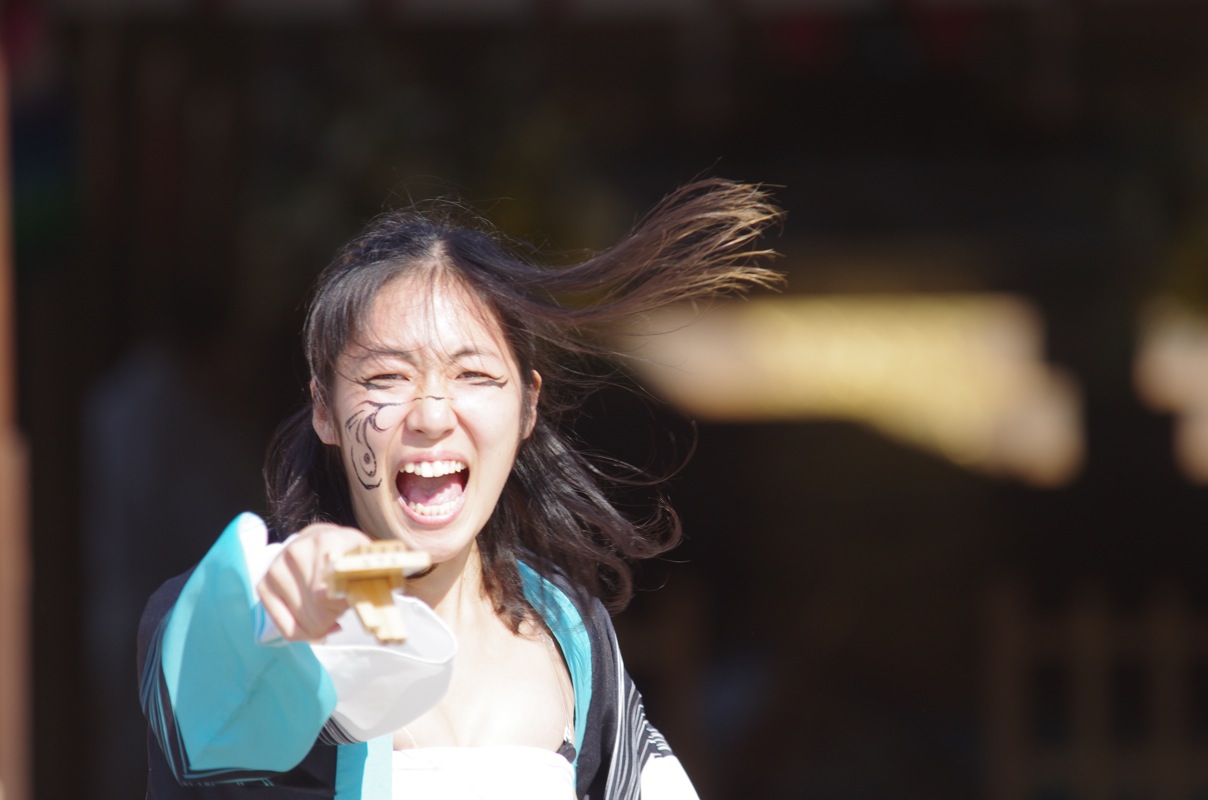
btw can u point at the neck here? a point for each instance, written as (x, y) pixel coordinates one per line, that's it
(454, 588)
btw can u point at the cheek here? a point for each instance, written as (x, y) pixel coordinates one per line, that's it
(495, 420)
(388, 416)
(365, 432)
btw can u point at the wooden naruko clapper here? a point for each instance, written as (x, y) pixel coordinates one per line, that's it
(367, 576)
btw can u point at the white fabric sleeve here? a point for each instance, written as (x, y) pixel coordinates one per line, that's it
(380, 688)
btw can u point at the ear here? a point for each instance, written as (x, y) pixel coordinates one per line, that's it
(530, 416)
(320, 417)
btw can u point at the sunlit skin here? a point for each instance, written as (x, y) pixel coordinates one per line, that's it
(431, 386)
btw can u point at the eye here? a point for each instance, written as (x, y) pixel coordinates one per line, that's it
(479, 377)
(383, 381)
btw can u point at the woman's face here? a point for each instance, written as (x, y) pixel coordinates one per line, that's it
(428, 409)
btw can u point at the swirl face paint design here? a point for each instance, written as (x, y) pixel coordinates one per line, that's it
(359, 426)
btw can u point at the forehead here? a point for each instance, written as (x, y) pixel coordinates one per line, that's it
(432, 313)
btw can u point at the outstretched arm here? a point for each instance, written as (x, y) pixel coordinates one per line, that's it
(221, 706)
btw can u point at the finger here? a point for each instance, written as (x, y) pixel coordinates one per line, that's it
(283, 590)
(289, 575)
(316, 618)
(308, 621)
(294, 589)
(279, 613)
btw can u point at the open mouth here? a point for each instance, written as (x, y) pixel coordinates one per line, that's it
(432, 489)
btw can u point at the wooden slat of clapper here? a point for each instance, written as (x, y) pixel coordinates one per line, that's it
(367, 576)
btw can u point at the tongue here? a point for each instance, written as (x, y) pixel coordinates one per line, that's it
(429, 491)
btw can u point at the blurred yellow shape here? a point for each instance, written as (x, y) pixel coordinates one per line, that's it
(957, 375)
(1171, 376)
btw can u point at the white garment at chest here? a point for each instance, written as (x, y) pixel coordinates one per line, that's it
(500, 772)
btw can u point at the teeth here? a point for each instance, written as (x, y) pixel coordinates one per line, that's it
(433, 469)
(434, 511)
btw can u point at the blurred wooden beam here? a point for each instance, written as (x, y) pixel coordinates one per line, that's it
(15, 688)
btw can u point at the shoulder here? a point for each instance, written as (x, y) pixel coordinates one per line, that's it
(584, 602)
(592, 614)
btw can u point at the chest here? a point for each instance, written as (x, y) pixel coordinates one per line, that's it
(506, 689)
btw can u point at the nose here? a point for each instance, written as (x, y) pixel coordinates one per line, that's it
(431, 415)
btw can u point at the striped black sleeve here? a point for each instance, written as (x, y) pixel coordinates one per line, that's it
(619, 740)
(169, 775)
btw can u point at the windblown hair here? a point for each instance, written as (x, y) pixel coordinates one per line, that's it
(555, 512)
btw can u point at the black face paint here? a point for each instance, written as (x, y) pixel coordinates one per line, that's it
(364, 460)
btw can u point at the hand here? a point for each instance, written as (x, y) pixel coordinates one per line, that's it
(294, 590)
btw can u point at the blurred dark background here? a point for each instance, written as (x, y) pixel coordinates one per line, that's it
(850, 616)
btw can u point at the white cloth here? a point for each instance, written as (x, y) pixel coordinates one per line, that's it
(497, 772)
(381, 687)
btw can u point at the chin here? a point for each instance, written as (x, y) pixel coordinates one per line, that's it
(440, 544)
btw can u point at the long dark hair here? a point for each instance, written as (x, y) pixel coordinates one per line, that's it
(555, 514)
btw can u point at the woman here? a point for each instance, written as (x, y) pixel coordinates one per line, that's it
(440, 365)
